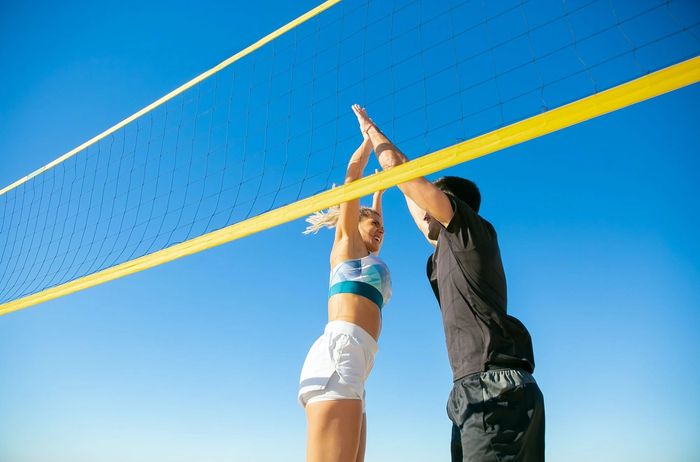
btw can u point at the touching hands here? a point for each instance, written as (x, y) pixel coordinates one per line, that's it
(363, 119)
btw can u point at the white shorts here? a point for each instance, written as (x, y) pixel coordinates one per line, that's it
(337, 364)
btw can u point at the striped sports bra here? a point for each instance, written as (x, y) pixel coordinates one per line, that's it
(367, 276)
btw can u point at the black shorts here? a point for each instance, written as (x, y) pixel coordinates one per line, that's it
(497, 416)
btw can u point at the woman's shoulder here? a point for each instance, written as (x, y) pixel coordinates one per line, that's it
(343, 251)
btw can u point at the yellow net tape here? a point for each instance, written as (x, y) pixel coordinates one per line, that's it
(635, 91)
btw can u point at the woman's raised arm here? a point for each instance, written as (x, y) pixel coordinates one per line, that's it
(421, 191)
(349, 217)
(377, 202)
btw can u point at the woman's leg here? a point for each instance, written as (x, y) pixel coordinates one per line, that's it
(363, 440)
(333, 430)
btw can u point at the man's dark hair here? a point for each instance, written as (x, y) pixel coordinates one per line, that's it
(462, 189)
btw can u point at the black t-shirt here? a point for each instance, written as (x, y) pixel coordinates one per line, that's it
(466, 274)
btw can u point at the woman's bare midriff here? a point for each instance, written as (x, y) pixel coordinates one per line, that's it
(357, 310)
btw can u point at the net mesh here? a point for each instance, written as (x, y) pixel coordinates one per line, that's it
(276, 127)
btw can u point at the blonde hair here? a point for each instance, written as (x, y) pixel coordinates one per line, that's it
(329, 218)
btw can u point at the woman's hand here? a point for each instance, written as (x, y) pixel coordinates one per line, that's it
(363, 119)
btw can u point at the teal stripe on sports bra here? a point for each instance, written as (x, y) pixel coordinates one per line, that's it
(359, 288)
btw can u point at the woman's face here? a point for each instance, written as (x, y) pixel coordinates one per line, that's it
(372, 231)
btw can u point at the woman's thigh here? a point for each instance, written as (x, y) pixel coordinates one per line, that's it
(334, 430)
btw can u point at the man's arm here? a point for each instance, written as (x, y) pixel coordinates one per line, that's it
(423, 193)
(421, 218)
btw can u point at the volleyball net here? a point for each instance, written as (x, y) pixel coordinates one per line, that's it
(259, 139)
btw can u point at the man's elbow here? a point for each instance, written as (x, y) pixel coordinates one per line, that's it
(388, 164)
(388, 156)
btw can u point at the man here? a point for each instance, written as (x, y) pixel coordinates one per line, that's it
(496, 407)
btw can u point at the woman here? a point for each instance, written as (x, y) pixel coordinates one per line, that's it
(331, 387)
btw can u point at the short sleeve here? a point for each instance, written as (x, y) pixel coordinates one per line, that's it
(467, 228)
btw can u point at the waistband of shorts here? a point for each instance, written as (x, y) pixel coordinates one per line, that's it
(348, 328)
(525, 376)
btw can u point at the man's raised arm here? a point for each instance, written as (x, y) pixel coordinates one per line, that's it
(421, 195)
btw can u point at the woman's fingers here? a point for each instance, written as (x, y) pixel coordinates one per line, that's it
(362, 119)
(360, 112)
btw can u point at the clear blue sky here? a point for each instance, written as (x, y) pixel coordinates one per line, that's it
(199, 359)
